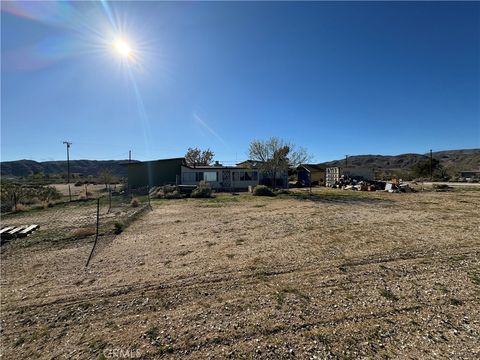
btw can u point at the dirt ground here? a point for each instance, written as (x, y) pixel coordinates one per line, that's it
(340, 275)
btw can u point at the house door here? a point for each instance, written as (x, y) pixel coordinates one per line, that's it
(226, 180)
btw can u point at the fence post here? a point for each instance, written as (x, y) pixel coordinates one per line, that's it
(149, 205)
(109, 198)
(96, 232)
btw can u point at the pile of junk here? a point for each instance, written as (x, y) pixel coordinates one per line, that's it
(359, 184)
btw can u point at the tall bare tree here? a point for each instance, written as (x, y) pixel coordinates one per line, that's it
(106, 176)
(276, 155)
(196, 157)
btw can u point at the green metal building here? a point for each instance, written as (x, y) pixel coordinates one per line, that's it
(154, 173)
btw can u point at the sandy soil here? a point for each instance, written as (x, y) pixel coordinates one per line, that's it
(357, 275)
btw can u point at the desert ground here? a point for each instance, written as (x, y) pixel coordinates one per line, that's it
(334, 275)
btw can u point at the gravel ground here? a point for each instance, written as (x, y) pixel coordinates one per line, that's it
(348, 275)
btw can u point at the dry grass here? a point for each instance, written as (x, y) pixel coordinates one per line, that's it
(336, 275)
(135, 202)
(82, 232)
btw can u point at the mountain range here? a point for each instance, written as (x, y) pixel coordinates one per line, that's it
(452, 160)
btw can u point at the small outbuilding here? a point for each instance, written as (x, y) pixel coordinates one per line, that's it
(311, 175)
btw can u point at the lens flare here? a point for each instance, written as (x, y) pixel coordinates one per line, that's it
(122, 48)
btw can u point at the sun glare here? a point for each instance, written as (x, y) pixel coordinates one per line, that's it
(122, 47)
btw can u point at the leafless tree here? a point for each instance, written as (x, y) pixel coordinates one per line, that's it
(276, 155)
(196, 157)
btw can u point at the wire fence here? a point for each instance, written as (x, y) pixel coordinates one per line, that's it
(114, 214)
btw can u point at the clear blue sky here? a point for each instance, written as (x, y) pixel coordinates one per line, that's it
(336, 78)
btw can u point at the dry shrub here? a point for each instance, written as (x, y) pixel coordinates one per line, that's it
(203, 190)
(20, 207)
(82, 232)
(48, 204)
(31, 201)
(135, 202)
(262, 190)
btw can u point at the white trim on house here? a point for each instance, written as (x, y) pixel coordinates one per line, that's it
(221, 178)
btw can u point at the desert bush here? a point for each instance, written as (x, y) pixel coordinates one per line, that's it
(12, 194)
(282, 192)
(174, 195)
(82, 232)
(20, 207)
(118, 227)
(167, 189)
(48, 204)
(203, 190)
(262, 190)
(79, 183)
(30, 201)
(135, 202)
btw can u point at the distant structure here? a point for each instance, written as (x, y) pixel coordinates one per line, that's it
(175, 171)
(311, 175)
(470, 175)
(333, 174)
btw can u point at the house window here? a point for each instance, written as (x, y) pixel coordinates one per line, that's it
(188, 177)
(198, 176)
(210, 176)
(245, 176)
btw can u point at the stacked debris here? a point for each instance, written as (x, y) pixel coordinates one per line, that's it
(397, 186)
(358, 183)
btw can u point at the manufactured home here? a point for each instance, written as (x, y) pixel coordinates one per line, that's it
(221, 178)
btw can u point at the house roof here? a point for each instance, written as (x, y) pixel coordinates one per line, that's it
(221, 167)
(133, 162)
(312, 167)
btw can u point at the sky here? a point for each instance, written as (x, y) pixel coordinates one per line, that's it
(336, 78)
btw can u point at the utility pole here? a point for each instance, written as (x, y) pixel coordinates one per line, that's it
(346, 161)
(431, 166)
(129, 156)
(68, 168)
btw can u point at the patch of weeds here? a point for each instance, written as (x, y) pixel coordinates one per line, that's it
(475, 278)
(185, 252)
(152, 333)
(211, 205)
(82, 232)
(455, 301)
(388, 294)
(442, 288)
(259, 205)
(118, 227)
(239, 242)
(97, 345)
(21, 340)
(230, 256)
(282, 293)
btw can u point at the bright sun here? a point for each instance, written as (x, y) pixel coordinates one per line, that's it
(122, 47)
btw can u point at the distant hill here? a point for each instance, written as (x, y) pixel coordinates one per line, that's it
(84, 167)
(452, 160)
